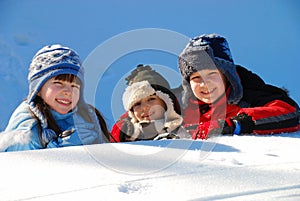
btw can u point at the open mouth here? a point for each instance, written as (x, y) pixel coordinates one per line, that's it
(146, 116)
(208, 92)
(63, 101)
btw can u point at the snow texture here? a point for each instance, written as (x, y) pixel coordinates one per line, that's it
(222, 168)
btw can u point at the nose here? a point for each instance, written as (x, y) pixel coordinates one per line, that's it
(145, 107)
(202, 83)
(67, 90)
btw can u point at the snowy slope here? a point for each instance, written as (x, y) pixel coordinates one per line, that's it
(224, 168)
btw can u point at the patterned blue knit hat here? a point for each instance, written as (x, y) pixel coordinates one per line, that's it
(209, 51)
(49, 62)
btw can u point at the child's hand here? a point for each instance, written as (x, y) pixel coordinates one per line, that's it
(48, 135)
(166, 136)
(208, 129)
(66, 133)
(243, 123)
(239, 124)
(82, 134)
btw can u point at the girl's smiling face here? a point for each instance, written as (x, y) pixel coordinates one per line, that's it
(61, 96)
(149, 108)
(208, 85)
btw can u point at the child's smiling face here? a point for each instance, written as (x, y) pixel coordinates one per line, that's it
(61, 96)
(207, 85)
(149, 108)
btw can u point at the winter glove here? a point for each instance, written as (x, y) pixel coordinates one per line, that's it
(242, 123)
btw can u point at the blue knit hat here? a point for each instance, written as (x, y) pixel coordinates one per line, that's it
(49, 62)
(209, 51)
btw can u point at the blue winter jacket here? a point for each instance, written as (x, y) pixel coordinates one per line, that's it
(82, 132)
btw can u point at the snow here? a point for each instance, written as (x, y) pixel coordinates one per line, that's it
(222, 168)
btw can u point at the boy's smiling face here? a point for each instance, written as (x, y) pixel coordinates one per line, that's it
(208, 85)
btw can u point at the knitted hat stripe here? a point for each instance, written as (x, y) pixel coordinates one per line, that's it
(36, 84)
(51, 50)
(65, 66)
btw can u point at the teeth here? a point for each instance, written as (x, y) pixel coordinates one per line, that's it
(63, 101)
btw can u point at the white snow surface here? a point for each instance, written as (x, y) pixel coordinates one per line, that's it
(252, 167)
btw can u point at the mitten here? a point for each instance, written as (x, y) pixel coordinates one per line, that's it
(47, 136)
(82, 134)
(240, 124)
(126, 131)
(62, 139)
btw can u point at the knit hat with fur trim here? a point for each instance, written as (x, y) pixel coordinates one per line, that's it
(143, 89)
(49, 62)
(142, 73)
(209, 52)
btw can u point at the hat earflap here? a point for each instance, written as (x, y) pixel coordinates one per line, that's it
(188, 93)
(172, 119)
(229, 71)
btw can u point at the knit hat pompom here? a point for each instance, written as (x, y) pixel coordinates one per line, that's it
(146, 73)
(50, 61)
(209, 51)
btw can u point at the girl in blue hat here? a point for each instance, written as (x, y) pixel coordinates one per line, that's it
(54, 113)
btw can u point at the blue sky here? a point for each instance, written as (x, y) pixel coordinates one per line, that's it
(263, 36)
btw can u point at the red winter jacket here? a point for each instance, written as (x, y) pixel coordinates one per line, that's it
(116, 129)
(270, 108)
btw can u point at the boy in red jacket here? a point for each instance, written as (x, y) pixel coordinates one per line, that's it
(223, 98)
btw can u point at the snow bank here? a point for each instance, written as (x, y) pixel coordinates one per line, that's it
(224, 168)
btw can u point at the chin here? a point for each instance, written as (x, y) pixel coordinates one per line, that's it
(208, 101)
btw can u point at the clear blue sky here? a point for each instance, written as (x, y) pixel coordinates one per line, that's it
(263, 34)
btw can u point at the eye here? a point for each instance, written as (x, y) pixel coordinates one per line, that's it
(136, 105)
(153, 98)
(196, 78)
(213, 73)
(58, 83)
(76, 86)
